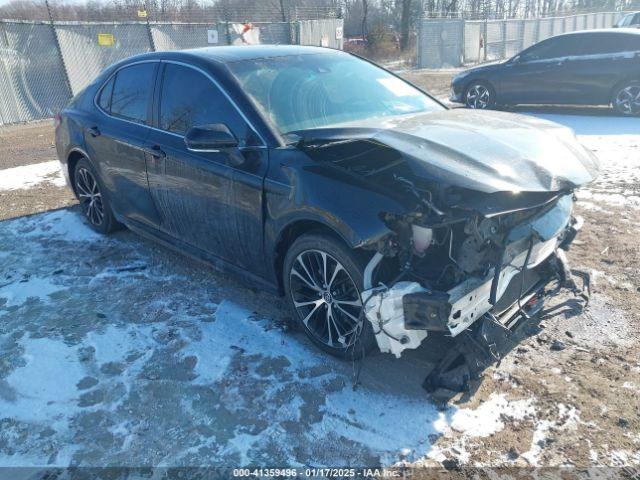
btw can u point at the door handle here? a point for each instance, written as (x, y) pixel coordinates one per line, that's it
(94, 131)
(155, 151)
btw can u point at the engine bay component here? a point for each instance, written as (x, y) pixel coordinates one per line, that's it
(422, 238)
(383, 308)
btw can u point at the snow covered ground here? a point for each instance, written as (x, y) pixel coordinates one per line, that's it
(27, 176)
(118, 352)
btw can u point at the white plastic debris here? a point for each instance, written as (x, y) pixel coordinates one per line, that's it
(385, 312)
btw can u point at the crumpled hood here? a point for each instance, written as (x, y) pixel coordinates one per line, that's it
(479, 150)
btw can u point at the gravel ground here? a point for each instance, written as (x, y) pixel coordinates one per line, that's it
(116, 351)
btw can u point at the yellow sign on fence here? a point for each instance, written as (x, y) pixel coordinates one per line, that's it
(106, 40)
(142, 13)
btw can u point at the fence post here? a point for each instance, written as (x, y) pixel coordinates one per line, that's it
(3, 103)
(504, 39)
(152, 44)
(59, 49)
(486, 39)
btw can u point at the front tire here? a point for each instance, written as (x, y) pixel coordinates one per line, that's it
(93, 202)
(626, 99)
(480, 96)
(323, 281)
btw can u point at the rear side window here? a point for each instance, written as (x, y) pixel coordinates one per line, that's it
(609, 43)
(190, 99)
(105, 96)
(131, 92)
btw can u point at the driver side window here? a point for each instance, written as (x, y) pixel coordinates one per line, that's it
(552, 48)
(190, 99)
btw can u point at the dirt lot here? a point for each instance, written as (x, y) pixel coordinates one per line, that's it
(116, 351)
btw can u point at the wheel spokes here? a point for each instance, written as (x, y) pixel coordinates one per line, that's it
(90, 196)
(326, 298)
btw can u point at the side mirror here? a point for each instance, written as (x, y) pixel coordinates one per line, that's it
(206, 138)
(515, 60)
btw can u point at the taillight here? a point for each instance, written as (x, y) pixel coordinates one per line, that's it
(57, 119)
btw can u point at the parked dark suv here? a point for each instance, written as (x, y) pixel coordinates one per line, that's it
(596, 67)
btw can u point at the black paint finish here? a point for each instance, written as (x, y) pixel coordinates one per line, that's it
(234, 206)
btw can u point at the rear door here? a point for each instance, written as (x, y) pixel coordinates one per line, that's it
(608, 58)
(210, 200)
(116, 140)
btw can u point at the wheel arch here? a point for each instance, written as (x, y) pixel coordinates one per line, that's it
(74, 156)
(290, 233)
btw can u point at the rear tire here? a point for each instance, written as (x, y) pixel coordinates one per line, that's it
(480, 96)
(323, 281)
(626, 99)
(95, 205)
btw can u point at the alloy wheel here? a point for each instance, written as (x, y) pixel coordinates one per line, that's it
(478, 96)
(628, 100)
(326, 298)
(89, 196)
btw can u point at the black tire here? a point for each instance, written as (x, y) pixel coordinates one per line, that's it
(626, 99)
(474, 96)
(347, 285)
(94, 203)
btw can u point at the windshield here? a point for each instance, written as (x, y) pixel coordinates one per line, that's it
(300, 92)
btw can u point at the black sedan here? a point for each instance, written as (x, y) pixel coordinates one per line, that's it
(594, 67)
(316, 174)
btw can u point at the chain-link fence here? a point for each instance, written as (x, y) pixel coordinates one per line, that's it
(455, 42)
(42, 64)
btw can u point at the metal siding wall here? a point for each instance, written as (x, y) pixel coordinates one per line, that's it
(545, 27)
(440, 43)
(312, 32)
(85, 59)
(514, 37)
(472, 34)
(180, 36)
(529, 33)
(494, 42)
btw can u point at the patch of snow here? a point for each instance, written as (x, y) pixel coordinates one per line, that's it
(568, 419)
(487, 419)
(17, 293)
(28, 176)
(384, 423)
(213, 352)
(64, 224)
(45, 386)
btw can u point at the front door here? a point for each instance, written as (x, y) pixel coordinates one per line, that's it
(539, 75)
(117, 139)
(210, 200)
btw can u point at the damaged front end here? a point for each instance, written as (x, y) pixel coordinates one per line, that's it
(469, 269)
(488, 215)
